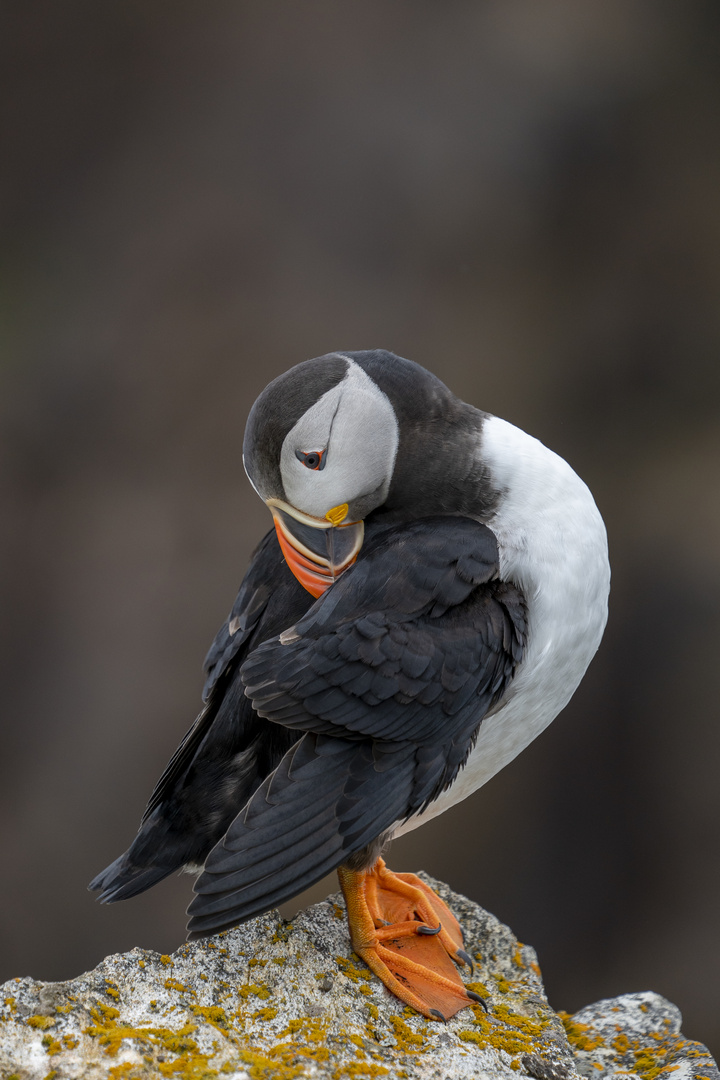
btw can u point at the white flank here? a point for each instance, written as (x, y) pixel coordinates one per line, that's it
(553, 545)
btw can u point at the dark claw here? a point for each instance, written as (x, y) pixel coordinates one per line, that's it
(428, 930)
(438, 1015)
(476, 997)
(466, 959)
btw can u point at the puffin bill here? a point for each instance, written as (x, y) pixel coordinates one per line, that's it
(431, 594)
(316, 550)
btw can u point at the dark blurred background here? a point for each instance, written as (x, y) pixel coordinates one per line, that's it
(523, 196)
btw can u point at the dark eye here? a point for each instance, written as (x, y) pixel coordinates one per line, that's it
(312, 459)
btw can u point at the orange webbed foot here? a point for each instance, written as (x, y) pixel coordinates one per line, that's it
(408, 937)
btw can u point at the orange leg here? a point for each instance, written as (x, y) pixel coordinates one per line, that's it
(407, 937)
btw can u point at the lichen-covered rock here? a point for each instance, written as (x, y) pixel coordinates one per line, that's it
(636, 1033)
(281, 1000)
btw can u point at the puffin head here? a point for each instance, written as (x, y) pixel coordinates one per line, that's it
(340, 436)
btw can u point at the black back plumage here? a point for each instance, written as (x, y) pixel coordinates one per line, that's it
(388, 677)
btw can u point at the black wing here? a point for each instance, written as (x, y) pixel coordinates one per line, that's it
(389, 676)
(266, 575)
(227, 752)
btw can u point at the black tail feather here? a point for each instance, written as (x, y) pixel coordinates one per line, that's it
(123, 879)
(263, 861)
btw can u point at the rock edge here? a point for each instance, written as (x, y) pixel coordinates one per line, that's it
(281, 1001)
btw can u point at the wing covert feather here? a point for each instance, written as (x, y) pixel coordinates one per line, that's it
(418, 630)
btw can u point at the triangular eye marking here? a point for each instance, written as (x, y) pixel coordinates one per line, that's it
(312, 459)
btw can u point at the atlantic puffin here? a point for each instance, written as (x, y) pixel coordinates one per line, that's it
(431, 594)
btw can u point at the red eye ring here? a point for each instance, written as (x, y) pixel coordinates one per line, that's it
(312, 459)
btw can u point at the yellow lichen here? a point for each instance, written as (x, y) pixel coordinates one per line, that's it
(264, 1014)
(41, 1022)
(126, 1071)
(260, 991)
(517, 1035)
(406, 1040)
(52, 1046)
(260, 1066)
(107, 1012)
(194, 1067)
(167, 961)
(213, 1014)
(311, 1029)
(357, 1042)
(284, 1061)
(110, 1034)
(472, 1036)
(581, 1036)
(361, 1068)
(511, 1040)
(530, 1027)
(175, 984)
(355, 974)
(648, 1065)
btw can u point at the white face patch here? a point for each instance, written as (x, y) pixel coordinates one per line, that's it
(355, 424)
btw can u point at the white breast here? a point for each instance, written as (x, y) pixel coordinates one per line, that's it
(553, 545)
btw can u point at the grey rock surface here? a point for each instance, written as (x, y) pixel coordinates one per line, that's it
(281, 1001)
(636, 1033)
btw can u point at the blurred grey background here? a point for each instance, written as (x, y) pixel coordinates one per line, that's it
(523, 196)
